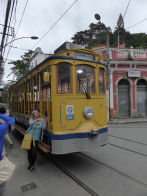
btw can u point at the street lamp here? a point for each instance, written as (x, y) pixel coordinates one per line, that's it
(1, 50)
(31, 37)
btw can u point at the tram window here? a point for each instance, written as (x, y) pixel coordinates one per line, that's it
(85, 79)
(101, 82)
(45, 86)
(26, 96)
(64, 84)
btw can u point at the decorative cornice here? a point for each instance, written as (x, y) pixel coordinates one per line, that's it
(127, 62)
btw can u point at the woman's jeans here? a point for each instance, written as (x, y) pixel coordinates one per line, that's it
(32, 154)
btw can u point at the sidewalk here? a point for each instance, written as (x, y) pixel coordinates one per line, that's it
(127, 120)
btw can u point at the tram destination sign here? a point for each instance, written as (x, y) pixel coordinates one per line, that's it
(134, 74)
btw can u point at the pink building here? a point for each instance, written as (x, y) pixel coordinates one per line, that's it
(128, 81)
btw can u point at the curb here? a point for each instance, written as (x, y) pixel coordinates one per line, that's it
(126, 121)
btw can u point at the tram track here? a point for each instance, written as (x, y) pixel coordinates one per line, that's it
(129, 140)
(117, 146)
(55, 162)
(116, 170)
(144, 144)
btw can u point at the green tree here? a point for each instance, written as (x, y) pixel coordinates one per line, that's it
(21, 67)
(95, 35)
(138, 40)
(4, 98)
(120, 33)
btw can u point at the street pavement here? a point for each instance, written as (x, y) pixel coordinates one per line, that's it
(127, 120)
(117, 169)
(46, 179)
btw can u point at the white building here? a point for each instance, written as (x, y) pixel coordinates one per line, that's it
(37, 57)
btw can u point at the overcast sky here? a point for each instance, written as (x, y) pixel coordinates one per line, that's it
(40, 15)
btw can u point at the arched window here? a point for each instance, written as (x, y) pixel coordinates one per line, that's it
(124, 98)
(123, 82)
(141, 82)
(141, 98)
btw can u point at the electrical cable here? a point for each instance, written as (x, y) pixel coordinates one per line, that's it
(19, 48)
(13, 8)
(3, 36)
(9, 25)
(137, 23)
(21, 17)
(55, 23)
(5, 25)
(3, 6)
(17, 30)
(126, 9)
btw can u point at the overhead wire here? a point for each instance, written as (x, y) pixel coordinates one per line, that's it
(9, 24)
(16, 30)
(126, 9)
(5, 24)
(55, 23)
(137, 23)
(13, 10)
(19, 48)
(22, 16)
(8, 7)
(3, 6)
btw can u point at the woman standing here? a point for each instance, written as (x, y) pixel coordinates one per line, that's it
(37, 125)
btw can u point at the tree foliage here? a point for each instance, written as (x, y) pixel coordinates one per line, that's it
(4, 98)
(21, 67)
(96, 35)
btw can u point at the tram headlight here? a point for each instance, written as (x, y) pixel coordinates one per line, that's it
(88, 112)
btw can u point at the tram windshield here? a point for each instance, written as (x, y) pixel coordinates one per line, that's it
(85, 79)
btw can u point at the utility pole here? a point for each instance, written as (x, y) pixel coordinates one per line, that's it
(97, 17)
(108, 71)
(3, 39)
(5, 26)
(118, 38)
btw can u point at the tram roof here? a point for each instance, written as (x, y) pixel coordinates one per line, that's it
(57, 57)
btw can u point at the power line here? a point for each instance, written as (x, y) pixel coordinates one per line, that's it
(55, 23)
(19, 48)
(5, 27)
(9, 24)
(137, 23)
(17, 29)
(126, 9)
(22, 16)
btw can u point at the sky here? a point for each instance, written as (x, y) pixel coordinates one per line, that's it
(40, 16)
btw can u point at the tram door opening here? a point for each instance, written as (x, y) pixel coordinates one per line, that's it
(142, 98)
(124, 98)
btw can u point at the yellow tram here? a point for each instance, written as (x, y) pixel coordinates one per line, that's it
(69, 89)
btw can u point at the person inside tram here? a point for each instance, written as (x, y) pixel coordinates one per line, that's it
(37, 125)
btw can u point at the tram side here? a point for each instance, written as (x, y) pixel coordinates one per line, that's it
(69, 89)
